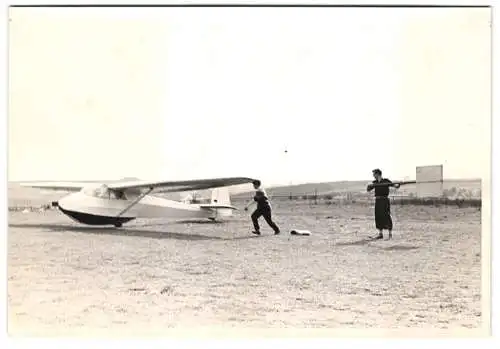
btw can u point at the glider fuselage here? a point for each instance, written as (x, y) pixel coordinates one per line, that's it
(95, 206)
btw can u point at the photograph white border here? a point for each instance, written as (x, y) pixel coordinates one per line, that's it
(289, 343)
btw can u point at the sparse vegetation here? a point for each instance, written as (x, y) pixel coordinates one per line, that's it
(465, 193)
(462, 193)
(444, 201)
(30, 208)
(459, 197)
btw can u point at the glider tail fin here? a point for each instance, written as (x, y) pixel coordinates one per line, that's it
(220, 196)
(220, 203)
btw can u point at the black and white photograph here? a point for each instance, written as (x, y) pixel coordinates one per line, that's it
(306, 170)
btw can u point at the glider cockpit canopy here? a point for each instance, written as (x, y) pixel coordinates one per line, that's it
(102, 191)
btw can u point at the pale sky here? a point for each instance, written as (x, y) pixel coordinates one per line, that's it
(181, 93)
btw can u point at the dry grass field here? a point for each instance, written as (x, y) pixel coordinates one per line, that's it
(150, 276)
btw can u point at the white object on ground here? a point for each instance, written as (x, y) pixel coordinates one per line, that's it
(300, 232)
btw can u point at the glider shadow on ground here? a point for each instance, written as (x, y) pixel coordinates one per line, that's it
(156, 234)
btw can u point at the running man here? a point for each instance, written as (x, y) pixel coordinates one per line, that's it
(383, 219)
(263, 209)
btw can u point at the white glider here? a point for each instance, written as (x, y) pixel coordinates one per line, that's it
(119, 202)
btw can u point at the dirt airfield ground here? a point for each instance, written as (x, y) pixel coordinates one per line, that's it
(153, 275)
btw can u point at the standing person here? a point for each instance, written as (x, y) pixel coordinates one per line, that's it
(383, 219)
(263, 209)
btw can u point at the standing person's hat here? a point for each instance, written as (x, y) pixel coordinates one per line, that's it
(377, 171)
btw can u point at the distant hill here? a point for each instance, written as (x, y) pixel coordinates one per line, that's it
(355, 187)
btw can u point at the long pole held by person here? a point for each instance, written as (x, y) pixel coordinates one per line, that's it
(383, 219)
